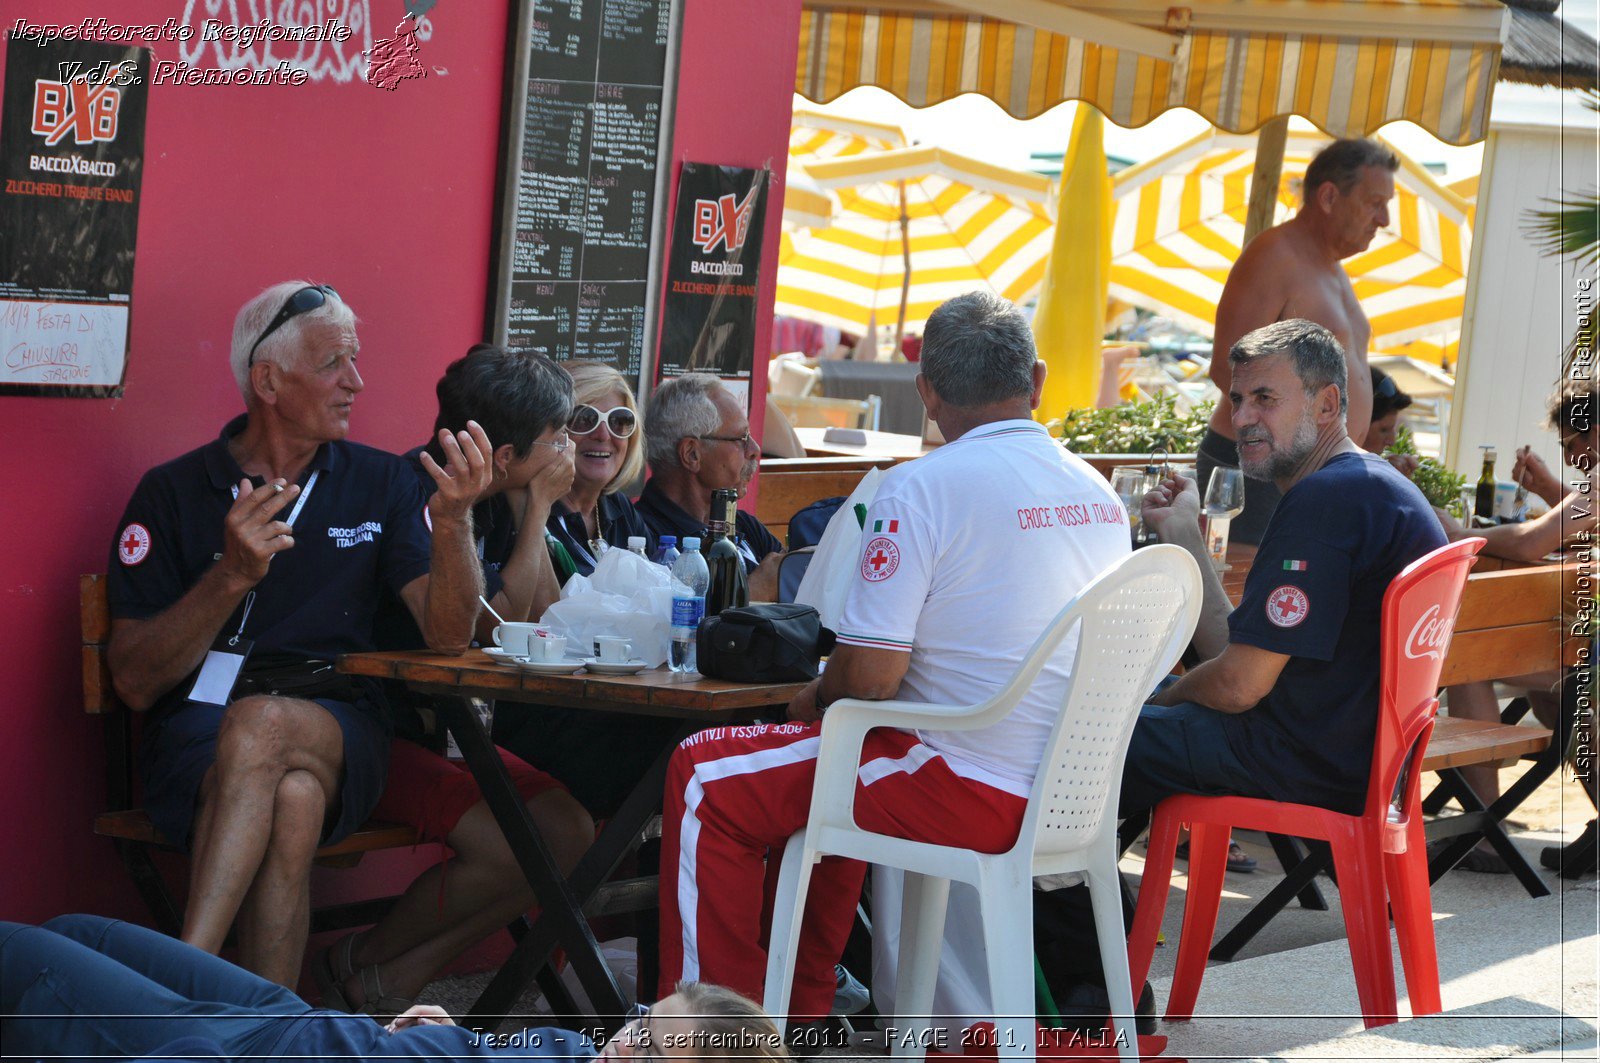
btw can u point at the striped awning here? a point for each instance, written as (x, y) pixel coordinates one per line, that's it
(968, 224)
(1349, 66)
(1180, 225)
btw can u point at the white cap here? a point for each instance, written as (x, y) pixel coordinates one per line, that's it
(691, 542)
(635, 542)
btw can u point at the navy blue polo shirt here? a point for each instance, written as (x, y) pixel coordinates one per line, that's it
(361, 530)
(1315, 592)
(618, 521)
(666, 517)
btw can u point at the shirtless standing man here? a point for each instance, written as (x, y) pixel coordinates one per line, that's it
(1292, 271)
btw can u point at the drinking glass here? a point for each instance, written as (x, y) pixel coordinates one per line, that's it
(1130, 484)
(1224, 501)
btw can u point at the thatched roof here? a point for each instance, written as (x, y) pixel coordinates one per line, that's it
(1541, 49)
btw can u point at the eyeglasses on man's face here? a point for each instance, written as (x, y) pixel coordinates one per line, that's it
(303, 301)
(619, 420)
(744, 441)
(561, 442)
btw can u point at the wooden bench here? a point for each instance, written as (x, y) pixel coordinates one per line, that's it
(131, 829)
(788, 485)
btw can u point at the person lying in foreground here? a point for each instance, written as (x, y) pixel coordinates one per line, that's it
(83, 986)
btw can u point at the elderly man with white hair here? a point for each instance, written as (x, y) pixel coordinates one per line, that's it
(240, 571)
(698, 441)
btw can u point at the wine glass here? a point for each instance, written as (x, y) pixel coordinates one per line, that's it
(1129, 482)
(1224, 501)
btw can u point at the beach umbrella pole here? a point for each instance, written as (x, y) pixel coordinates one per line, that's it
(1264, 180)
(905, 273)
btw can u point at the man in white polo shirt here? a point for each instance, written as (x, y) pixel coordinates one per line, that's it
(966, 555)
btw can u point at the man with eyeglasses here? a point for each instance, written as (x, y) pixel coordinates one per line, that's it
(240, 572)
(699, 442)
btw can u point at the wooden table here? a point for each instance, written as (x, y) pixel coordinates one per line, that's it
(878, 445)
(696, 701)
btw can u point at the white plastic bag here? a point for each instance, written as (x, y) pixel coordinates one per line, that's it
(833, 566)
(625, 596)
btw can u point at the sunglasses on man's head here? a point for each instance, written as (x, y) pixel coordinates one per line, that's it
(620, 421)
(303, 301)
(1386, 389)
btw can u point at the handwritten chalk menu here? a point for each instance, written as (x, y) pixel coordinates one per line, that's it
(578, 210)
(71, 155)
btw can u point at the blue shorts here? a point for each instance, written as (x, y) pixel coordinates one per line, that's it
(181, 745)
(1182, 749)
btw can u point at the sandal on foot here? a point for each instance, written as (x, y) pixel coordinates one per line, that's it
(1238, 860)
(331, 970)
(379, 1004)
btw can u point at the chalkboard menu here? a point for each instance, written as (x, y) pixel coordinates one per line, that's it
(585, 146)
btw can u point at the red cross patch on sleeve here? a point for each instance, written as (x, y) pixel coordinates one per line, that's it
(879, 560)
(1288, 606)
(133, 545)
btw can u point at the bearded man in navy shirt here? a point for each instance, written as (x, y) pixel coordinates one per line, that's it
(1285, 703)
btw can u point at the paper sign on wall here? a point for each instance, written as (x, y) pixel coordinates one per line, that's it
(71, 157)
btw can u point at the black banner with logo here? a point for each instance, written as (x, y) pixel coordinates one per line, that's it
(72, 128)
(709, 314)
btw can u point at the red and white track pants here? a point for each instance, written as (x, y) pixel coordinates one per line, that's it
(734, 795)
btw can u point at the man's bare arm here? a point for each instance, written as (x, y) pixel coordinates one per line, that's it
(1172, 511)
(852, 672)
(1234, 681)
(1255, 294)
(149, 657)
(1533, 539)
(445, 601)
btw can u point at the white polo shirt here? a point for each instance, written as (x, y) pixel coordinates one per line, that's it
(968, 552)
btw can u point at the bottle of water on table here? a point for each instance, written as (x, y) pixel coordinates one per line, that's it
(666, 551)
(690, 578)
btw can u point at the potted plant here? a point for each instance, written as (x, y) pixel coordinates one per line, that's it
(1128, 434)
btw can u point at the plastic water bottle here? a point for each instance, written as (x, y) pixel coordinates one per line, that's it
(636, 544)
(690, 578)
(666, 552)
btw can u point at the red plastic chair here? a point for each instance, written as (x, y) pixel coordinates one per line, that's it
(1378, 856)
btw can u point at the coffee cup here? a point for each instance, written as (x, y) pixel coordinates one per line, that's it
(514, 638)
(549, 648)
(612, 649)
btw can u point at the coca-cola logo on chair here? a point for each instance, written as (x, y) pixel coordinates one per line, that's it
(1430, 635)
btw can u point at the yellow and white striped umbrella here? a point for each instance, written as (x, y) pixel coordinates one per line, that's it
(806, 204)
(1180, 225)
(967, 224)
(818, 135)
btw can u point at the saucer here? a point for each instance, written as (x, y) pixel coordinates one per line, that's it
(500, 656)
(564, 666)
(599, 667)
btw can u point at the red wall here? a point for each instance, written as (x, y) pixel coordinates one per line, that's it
(387, 196)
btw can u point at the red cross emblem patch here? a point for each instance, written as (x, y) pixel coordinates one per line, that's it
(133, 545)
(879, 560)
(1288, 606)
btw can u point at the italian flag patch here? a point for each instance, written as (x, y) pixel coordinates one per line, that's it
(1294, 566)
(889, 526)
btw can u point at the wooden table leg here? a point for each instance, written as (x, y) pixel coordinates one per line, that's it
(560, 905)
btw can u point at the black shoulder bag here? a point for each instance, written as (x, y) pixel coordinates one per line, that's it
(773, 642)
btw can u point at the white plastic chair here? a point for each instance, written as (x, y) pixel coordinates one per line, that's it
(1134, 620)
